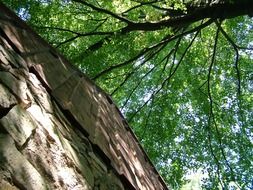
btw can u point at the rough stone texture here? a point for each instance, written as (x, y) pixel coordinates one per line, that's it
(18, 124)
(58, 130)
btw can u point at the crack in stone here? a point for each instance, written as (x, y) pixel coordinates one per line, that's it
(14, 47)
(4, 111)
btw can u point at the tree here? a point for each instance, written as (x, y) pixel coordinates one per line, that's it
(181, 72)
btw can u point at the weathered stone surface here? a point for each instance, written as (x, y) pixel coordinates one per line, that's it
(17, 86)
(23, 174)
(19, 124)
(17, 34)
(6, 98)
(5, 185)
(58, 130)
(51, 160)
(9, 56)
(39, 93)
(46, 65)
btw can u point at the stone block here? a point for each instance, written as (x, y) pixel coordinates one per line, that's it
(19, 124)
(74, 96)
(23, 174)
(6, 98)
(53, 70)
(8, 56)
(39, 93)
(5, 185)
(16, 86)
(19, 36)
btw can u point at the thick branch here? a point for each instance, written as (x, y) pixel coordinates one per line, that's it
(215, 11)
(141, 53)
(145, 50)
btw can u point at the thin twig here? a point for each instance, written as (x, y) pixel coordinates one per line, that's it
(137, 6)
(155, 92)
(102, 10)
(212, 115)
(136, 69)
(235, 47)
(147, 73)
(84, 35)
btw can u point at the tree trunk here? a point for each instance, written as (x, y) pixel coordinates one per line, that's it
(58, 130)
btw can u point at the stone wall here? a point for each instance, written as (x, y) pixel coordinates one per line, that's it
(58, 130)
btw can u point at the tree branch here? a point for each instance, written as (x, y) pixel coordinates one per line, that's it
(215, 11)
(211, 114)
(135, 70)
(139, 5)
(210, 71)
(145, 50)
(57, 28)
(141, 53)
(235, 47)
(211, 105)
(84, 35)
(147, 73)
(105, 11)
(155, 92)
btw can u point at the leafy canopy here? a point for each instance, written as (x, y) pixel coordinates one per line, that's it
(181, 72)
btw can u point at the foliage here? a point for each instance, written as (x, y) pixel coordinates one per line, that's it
(181, 72)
